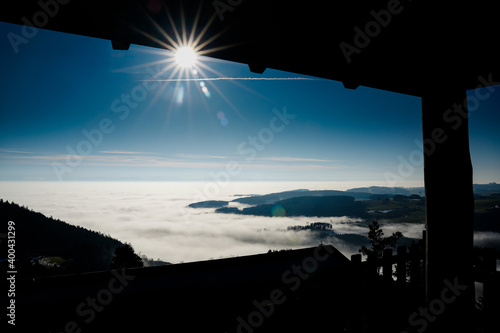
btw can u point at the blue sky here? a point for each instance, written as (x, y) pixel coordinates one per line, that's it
(72, 108)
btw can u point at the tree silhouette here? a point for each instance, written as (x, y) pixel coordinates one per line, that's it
(379, 243)
(83, 250)
(125, 257)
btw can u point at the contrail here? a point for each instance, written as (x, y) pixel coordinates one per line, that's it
(238, 79)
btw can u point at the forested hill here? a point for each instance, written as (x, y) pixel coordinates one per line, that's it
(274, 197)
(306, 206)
(36, 235)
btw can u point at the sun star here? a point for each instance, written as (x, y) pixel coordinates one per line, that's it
(185, 57)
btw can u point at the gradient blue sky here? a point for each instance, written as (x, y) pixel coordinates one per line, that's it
(59, 87)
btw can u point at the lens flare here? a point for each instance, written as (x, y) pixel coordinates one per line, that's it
(278, 210)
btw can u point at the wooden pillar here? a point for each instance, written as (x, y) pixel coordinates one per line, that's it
(449, 208)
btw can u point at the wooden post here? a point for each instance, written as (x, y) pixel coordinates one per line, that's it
(371, 265)
(415, 272)
(356, 259)
(489, 260)
(358, 284)
(423, 249)
(387, 265)
(356, 266)
(491, 291)
(401, 269)
(449, 203)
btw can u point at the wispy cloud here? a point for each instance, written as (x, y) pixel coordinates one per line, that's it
(289, 167)
(199, 156)
(293, 159)
(125, 159)
(120, 158)
(30, 159)
(14, 151)
(238, 79)
(123, 152)
(131, 160)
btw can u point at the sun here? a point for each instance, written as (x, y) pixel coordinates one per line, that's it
(185, 57)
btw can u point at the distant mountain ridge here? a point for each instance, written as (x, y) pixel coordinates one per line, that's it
(389, 190)
(360, 193)
(482, 189)
(274, 197)
(402, 204)
(486, 189)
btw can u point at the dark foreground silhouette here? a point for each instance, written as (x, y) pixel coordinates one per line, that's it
(285, 291)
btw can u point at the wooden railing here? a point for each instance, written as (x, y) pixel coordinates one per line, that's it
(409, 273)
(410, 264)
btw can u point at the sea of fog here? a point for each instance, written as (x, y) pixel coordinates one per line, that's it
(155, 219)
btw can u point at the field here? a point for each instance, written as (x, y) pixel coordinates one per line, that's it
(410, 211)
(413, 211)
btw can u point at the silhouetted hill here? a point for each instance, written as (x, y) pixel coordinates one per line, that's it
(486, 189)
(379, 203)
(209, 204)
(483, 189)
(41, 236)
(274, 197)
(306, 206)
